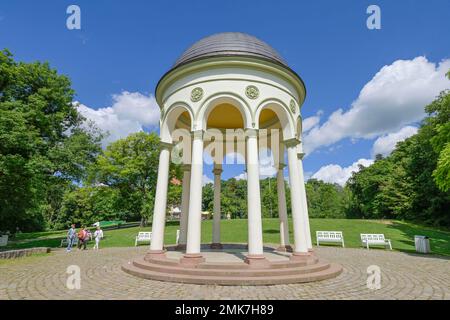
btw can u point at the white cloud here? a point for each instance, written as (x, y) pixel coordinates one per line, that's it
(206, 180)
(309, 123)
(242, 176)
(266, 164)
(334, 173)
(386, 143)
(395, 97)
(131, 112)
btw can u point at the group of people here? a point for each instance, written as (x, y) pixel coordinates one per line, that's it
(83, 236)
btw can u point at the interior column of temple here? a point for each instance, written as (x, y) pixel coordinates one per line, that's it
(217, 171)
(184, 206)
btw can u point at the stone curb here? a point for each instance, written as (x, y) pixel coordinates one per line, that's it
(13, 254)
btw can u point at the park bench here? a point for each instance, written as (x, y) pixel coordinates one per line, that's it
(64, 242)
(375, 239)
(3, 240)
(143, 237)
(330, 236)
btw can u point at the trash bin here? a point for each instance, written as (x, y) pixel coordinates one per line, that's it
(422, 244)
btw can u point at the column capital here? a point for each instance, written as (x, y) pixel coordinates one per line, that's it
(165, 145)
(217, 171)
(300, 155)
(249, 132)
(291, 142)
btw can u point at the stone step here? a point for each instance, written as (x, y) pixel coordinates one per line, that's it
(231, 265)
(162, 261)
(221, 270)
(332, 271)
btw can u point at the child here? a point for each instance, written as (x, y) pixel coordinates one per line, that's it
(98, 234)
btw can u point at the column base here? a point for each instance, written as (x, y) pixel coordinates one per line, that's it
(180, 247)
(306, 257)
(158, 254)
(256, 260)
(286, 248)
(216, 246)
(192, 259)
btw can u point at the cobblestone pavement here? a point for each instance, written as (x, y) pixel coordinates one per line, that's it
(404, 276)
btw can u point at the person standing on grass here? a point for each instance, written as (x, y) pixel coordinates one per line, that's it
(82, 238)
(98, 234)
(71, 237)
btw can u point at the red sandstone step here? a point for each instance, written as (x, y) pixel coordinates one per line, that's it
(223, 271)
(230, 265)
(163, 261)
(227, 265)
(328, 273)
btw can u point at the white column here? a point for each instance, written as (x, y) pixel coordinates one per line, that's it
(185, 205)
(300, 243)
(195, 199)
(159, 212)
(304, 200)
(282, 211)
(255, 239)
(217, 212)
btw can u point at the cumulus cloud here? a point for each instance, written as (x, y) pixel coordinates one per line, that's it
(242, 176)
(206, 180)
(130, 112)
(395, 97)
(311, 122)
(386, 143)
(266, 166)
(334, 173)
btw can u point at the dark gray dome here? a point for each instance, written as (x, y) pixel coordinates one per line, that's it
(229, 44)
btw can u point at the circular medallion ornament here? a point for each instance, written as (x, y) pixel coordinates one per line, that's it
(292, 106)
(252, 92)
(196, 94)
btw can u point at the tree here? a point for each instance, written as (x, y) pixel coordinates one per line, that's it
(87, 205)
(325, 200)
(45, 144)
(130, 165)
(439, 120)
(412, 182)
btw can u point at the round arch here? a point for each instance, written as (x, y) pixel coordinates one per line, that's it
(223, 98)
(283, 114)
(170, 119)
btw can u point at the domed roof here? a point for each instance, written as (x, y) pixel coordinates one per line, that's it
(229, 44)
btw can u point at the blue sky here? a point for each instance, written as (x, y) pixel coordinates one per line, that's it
(126, 46)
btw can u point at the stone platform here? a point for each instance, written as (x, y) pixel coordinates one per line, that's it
(227, 267)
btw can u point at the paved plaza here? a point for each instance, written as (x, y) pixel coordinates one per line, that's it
(403, 276)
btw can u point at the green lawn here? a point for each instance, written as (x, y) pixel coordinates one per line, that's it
(400, 233)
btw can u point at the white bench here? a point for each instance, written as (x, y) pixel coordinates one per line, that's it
(65, 243)
(3, 240)
(178, 236)
(330, 236)
(375, 239)
(143, 237)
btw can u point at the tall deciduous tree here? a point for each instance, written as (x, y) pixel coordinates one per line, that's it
(44, 143)
(130, 165)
